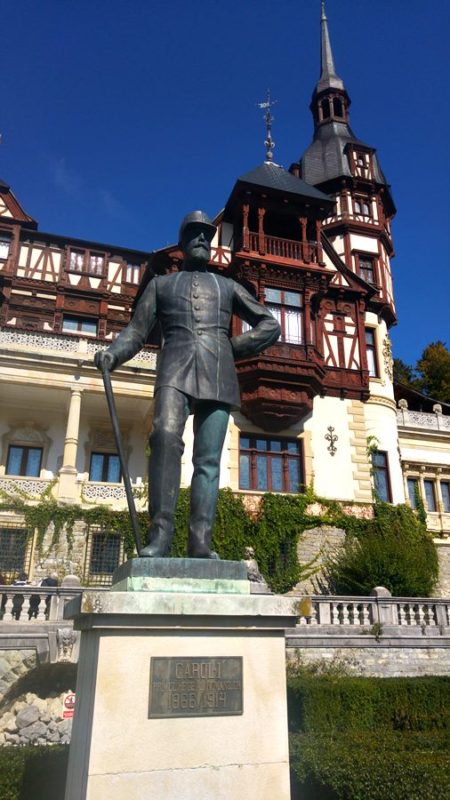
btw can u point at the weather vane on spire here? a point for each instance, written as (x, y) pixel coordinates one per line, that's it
(269, 142)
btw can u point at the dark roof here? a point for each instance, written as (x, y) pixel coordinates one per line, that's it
(3, 184)
(272, 176)
(325, 158)
(89, 243)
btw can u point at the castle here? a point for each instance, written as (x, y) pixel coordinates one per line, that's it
(314, 243)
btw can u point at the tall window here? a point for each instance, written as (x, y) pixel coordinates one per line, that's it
(326, 109)
(105, 554)
(79, 325)
(287, 308)
(76, 260)
(132, 273)
(380, 468)
(24, 461)
(362, 206)
(270, 465)
(371, 349)
(5, 244)
(13, 550)
(367, 269)
(413, 488)
(430, 495)
(95, 264)
(338, 107)
(445, 492)
(105, 468)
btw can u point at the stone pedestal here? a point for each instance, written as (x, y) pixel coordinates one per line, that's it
(181, 692)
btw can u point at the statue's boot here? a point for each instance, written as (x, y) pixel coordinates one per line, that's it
(164, 484)
(210, 425)
(159, 545)
(199, 547)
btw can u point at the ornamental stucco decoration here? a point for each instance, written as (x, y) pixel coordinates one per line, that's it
(387, 357)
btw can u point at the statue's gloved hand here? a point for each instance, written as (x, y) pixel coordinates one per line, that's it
(104, 360)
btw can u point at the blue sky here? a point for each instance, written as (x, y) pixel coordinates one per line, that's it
(119, 117)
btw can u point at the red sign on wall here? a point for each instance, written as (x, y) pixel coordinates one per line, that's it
(68, 705)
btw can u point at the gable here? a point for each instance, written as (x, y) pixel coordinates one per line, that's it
(10, 208)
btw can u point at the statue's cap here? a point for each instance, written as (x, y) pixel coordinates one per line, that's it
(197, 218)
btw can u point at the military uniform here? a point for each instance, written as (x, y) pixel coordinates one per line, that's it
(196, 374)
(194, 309)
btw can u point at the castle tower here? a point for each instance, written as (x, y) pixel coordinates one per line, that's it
(340, 164)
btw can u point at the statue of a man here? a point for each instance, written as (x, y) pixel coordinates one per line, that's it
(196, 375)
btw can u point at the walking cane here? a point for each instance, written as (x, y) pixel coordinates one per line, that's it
(126, 477)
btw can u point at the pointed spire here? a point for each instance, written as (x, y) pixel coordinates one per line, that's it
(328, 78)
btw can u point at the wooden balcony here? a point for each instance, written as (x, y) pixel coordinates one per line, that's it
(283, 249)
(278, 386)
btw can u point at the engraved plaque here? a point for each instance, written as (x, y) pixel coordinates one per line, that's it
(195, 687)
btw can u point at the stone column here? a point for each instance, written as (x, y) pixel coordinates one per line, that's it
(68, 489)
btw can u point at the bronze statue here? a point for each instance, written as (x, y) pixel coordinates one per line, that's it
(196, 375)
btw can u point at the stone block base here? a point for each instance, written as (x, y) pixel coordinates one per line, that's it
(121, 752)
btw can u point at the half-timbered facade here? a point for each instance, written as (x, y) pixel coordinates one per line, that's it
(314, 244)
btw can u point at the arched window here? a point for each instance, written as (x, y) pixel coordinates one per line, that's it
(337, 107)
(325, 109)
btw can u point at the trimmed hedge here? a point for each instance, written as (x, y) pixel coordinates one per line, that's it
(33, 772)
(326, 704)
(371, 766)
(369, 738)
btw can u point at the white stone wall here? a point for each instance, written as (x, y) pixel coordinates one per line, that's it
(333, 475)
(381, 423)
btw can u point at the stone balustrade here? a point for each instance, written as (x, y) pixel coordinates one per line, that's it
(30, 487)
(375, 635)
(35, 604)
(422, 419)
(80, 347)
(358, 613)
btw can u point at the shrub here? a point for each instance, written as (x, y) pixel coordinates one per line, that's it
(332, 705)
(371, 767)
(369, 738)
(394, 551)
(33, 772)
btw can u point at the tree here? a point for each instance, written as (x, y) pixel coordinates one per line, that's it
(434, 372)
(404, 373)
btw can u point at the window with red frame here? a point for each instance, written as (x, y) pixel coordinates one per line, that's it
(287, 308)
(270, 465)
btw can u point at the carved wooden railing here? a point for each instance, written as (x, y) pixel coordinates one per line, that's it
(288, 249)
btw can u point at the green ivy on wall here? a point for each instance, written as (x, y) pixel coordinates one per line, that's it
(274, 533)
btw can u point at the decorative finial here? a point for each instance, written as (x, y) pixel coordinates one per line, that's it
(323, 14)
(268, 118)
